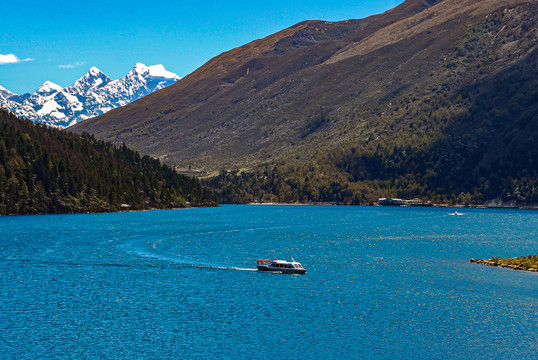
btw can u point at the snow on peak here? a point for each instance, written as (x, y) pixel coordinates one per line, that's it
(154, 71)
(94, 78)
(49, 86)
(94, 71)
(139, 68)
(160, 71)
(91, 95)
(5, 91)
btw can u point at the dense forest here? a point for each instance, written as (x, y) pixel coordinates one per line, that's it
(47, 170)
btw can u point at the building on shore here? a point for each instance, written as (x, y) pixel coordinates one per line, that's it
(390, 202)
(402, 202)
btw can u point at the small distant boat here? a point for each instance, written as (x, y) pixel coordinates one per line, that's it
(283, 266)
(456, 213)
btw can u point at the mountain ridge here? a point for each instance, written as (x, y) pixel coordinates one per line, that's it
(92, 94)
(225, 70)
(231, 85)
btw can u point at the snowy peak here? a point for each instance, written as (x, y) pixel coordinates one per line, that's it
(139, 68)
(5, 94)
(94, 71)
(3, 90)
(139, 71)
(139, 82)
(160, 71)
(91, 95)
(157, 71)
(48, 87)
(93, 79)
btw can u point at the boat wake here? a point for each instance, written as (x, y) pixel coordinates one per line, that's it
(241, 269)
(178, 260)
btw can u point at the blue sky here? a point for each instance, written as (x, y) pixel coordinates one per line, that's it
(60, 40)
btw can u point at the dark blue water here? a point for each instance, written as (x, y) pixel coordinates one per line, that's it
(381, 283)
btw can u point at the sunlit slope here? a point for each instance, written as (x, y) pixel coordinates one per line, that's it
(319, 86)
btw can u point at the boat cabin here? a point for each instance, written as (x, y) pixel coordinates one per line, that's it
(287, 265)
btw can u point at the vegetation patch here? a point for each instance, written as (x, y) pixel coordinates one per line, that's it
(527, 263)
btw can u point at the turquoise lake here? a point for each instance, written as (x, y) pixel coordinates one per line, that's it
(382, 283)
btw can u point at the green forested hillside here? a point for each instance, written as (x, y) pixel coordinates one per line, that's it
(46, 170)
(472, 145)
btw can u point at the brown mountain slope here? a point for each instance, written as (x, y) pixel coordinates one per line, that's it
(316, 85)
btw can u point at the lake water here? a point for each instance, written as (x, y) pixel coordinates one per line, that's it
(381, 283)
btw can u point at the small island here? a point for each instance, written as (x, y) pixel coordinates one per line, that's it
(527, 263)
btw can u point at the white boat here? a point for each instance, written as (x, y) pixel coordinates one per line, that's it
(456, 213)
(283, 266)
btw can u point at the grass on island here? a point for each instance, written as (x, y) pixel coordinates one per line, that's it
(528, 263)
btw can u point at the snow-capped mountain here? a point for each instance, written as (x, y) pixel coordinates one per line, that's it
(48, 87)
(91, 95)
(94, 79)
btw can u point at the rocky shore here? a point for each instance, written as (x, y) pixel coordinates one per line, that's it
(526, 263)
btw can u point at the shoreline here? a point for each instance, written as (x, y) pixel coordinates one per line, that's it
(123, 210)
(448, 206)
